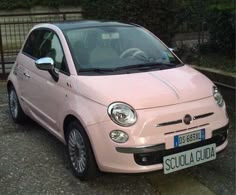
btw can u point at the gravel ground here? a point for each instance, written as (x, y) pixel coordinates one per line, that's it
(32, 161)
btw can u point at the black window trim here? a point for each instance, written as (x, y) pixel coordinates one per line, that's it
(34, 58)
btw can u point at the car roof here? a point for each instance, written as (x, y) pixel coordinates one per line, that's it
(67, 25)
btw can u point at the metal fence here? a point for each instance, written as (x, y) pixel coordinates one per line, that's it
(14, 28)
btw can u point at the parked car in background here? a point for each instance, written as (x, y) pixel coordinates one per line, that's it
(117, 97)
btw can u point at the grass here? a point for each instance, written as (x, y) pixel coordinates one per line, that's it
(227, 5)
(216, 61)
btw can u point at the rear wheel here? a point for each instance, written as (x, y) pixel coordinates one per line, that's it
(80, 152)
(16, 111)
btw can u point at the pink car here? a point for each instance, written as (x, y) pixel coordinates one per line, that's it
(117, 97)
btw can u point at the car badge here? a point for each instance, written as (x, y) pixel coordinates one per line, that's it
(187, 119)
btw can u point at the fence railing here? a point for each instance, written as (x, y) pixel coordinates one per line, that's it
(14, 28)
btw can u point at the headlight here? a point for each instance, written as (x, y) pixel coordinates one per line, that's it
(122, 114)
(218, 97)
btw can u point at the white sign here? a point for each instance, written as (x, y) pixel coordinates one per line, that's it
(189, 158)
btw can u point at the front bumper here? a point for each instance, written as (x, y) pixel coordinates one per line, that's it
(148, 140)
(154, 154)
(130, 160)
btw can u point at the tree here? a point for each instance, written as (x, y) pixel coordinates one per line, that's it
(157, 15)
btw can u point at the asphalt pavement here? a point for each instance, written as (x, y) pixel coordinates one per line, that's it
(32, 161)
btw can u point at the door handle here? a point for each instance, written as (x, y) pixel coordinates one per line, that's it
(26, 75)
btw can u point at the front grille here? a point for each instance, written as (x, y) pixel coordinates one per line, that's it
(203, 115)
(178, 121)
(152, 158)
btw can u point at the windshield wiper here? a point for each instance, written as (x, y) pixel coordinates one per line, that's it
(99, 70)
(146, 66)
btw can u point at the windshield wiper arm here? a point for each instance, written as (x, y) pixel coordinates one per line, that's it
(99, 70)
(146, 66)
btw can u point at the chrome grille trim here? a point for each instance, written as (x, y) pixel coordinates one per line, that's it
(203, 115)
(181, 121)
(177, 131)
(170, 123)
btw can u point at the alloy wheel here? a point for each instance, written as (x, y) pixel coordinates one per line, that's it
(77, 151)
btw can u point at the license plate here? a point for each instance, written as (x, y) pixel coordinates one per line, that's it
(189, 158)
(189, 138)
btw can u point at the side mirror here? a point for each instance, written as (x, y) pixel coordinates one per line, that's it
(47, 64)
(172, 49)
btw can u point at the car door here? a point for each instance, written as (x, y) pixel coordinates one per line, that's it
(41, 92)
(26, 68)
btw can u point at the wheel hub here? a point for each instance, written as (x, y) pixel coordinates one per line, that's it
(77, 151)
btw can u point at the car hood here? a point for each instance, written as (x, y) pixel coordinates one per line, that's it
(147, 89)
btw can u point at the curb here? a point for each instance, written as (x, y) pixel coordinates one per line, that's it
(220, 78)
(226, 83)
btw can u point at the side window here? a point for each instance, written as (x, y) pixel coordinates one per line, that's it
(30, 45)
(45, 43)
(57, 54)
(51, 47)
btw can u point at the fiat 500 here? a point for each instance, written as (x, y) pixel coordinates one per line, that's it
(118, 97)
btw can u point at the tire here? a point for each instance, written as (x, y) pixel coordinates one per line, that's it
(16, 111)
(80, 153)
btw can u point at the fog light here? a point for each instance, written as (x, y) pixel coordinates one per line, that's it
(119, 136)
(223, 138)
(144, 159)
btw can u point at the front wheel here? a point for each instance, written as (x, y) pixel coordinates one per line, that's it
(80, 152)
(16, 111)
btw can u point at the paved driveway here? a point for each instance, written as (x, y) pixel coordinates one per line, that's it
(32, 161)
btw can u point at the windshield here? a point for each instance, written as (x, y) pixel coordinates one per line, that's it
(117, 47)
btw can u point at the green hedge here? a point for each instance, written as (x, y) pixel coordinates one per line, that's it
(222, 31)
(157, 15)
(163, 17)
(13, 4)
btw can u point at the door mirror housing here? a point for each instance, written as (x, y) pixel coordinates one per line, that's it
(172, 49)
(47, 64)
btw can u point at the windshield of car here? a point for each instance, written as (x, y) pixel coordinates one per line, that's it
(116, 48)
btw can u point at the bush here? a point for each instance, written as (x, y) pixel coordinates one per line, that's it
(13, 4)
(156, 15)
(221, 25)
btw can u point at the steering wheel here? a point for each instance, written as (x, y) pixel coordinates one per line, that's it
(132, 52)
